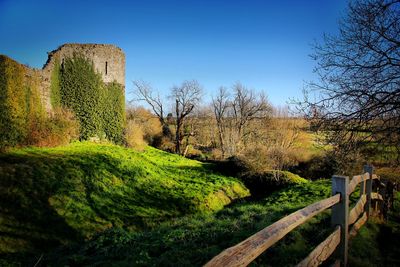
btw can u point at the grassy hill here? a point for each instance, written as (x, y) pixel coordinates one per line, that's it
(193, 240)
(51, 196)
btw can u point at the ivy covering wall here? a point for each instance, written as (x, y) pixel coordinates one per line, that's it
(55, 97)
(113, 115)
(75, 86)
(20, 102)
(99, 107)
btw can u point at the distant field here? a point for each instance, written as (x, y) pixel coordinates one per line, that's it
(50, 196)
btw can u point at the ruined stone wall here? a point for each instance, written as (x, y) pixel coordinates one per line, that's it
(108, 60)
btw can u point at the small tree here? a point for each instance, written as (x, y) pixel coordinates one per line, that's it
(220, 106)
(146, 93)
(233, 114)
(186, 97)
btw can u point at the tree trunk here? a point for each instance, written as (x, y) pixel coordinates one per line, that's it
(221, 138)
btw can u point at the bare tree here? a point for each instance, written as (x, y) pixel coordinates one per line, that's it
(233, 114)
(357, 98)
(146, 93)
(186, 97)
(246, 106)
(220, 105)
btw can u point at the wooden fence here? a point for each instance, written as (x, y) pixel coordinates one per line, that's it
(345, 223)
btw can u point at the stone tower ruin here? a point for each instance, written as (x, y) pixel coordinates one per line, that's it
(108, 60)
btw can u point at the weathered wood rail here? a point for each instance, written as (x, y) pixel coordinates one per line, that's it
(335, 245)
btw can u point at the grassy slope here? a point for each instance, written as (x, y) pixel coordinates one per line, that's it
(195, 239)
(50, 196)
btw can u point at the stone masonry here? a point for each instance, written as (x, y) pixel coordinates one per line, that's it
(108, 60)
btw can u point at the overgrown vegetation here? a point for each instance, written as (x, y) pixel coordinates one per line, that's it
(52, 196)
(13, 103)
(23, 119)
(113, 112)
(99, 107)
(55, 94)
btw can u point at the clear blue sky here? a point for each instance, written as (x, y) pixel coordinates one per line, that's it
(264, 44)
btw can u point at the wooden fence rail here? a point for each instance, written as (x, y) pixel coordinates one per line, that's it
(335, 244)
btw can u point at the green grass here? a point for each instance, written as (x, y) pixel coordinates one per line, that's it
(378, 243)
(104, 205)
(52, 196)
(194, 239)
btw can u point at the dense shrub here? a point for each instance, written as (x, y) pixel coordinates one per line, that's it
(60, 128)
(134, 136)
(389, 173)
(318, 167)
(149, 124)
(262, 183)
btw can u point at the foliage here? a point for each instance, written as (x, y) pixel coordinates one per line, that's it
(134, 136)
(149, 124)
(20, 102)
(391, 174)
(59, 128)
(53, 196)
(13, 103)
(262, 183)
(113, 112)
(195, 239)
(55, 92)
(318, 167)
(81, 91)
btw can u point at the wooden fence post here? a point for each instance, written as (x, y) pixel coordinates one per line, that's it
(340, 215)
(369, 169)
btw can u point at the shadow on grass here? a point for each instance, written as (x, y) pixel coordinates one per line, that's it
(28, 184)
(65, 196)
(194, 240)
(28, 222)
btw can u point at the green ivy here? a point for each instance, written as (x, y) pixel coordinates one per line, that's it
(55, 96)
(13, 124)
(114, 112)
(20, 102)
(80, 90)
(99, 107)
